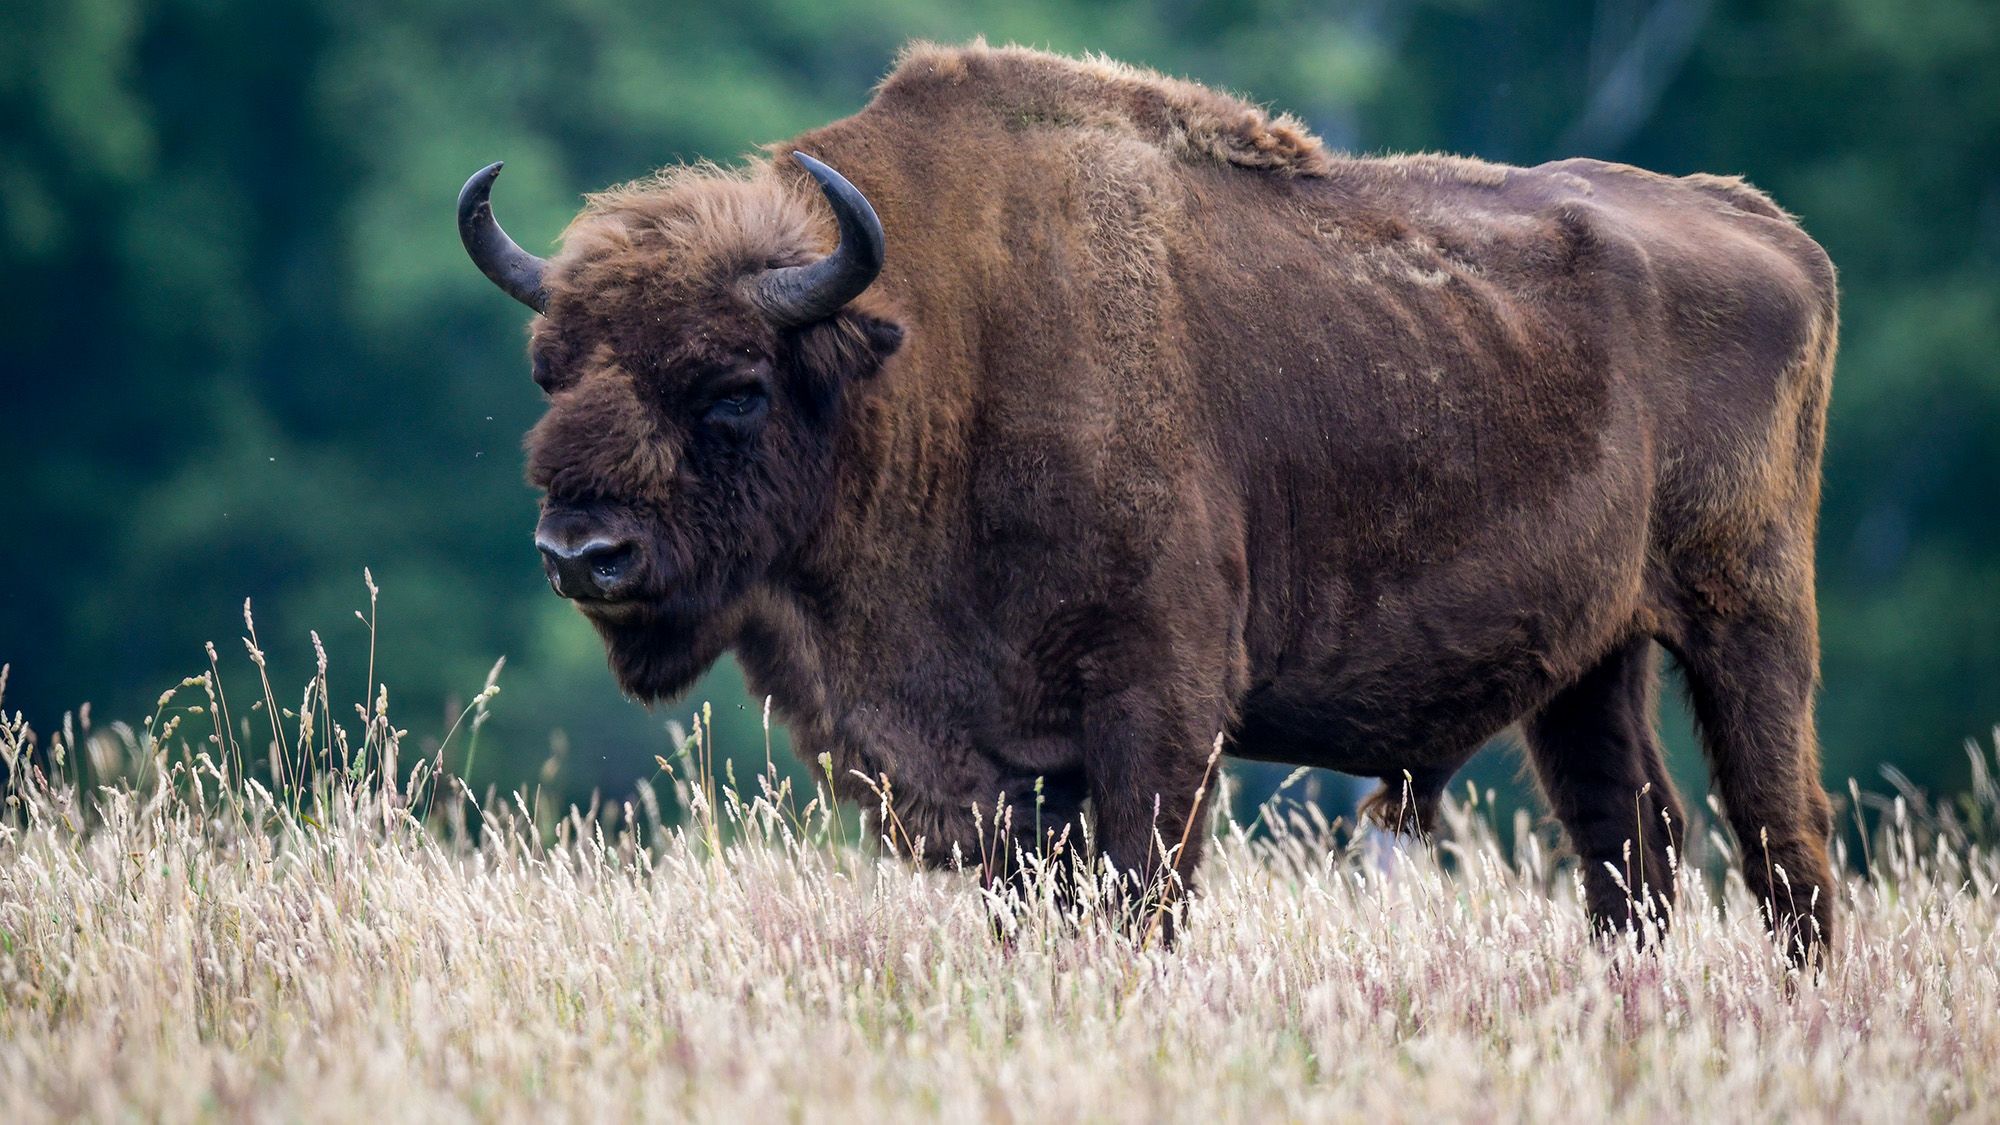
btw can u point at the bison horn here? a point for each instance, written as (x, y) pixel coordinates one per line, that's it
(513, 269)
(793, 295)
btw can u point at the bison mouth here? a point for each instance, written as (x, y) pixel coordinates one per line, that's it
(664, 618)
(612, 611)
(678, 613)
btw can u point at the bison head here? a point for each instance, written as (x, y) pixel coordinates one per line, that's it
(697, 353)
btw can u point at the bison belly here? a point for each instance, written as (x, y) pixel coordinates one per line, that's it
(1411, 666)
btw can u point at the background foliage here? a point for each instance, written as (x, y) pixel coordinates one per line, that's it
(245, 356)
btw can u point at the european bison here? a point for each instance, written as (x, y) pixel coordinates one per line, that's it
(1140, 417)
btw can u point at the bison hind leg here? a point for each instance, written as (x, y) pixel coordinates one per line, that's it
(1750, 678)
(1598, 759)
(1406, 804)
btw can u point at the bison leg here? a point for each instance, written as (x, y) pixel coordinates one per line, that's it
(1407, 804)
(1750, 677)
(1598, 758)
(1044, 839)
(1146, 761)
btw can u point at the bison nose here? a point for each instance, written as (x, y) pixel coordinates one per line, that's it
(599, 568)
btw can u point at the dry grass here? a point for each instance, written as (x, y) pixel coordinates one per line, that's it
(188, 944)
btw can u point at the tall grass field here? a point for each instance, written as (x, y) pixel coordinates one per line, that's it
(257, 907)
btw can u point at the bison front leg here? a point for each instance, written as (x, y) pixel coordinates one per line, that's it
(1040, 840)
(1148, 762)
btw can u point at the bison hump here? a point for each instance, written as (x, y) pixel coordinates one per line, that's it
(1035, 89)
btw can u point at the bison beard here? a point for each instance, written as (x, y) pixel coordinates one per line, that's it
(1140, 418)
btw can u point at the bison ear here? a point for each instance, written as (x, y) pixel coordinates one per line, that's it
(847, 347)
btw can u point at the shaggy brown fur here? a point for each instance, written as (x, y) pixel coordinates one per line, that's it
(1162, 421)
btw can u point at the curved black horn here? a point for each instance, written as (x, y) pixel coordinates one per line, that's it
(794, 295)
(513, 269)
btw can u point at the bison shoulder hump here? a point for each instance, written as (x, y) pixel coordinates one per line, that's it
(1028, 89)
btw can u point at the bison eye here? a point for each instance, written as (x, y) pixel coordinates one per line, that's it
(738, 406)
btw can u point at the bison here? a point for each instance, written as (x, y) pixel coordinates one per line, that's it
(1095, 416)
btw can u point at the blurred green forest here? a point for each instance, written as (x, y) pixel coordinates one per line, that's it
(245, 357)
